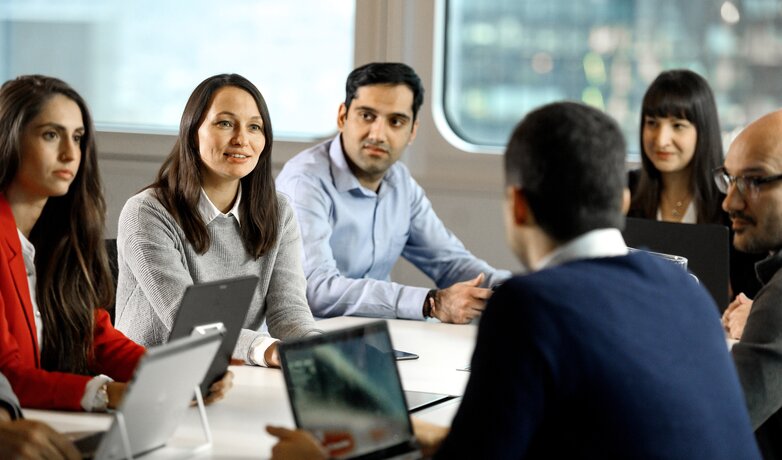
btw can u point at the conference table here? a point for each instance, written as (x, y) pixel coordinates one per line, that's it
(259, 395)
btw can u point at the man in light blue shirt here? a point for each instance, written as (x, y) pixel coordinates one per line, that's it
(359, 209)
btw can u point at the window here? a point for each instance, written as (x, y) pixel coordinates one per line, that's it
(137, 62)
(506, 57)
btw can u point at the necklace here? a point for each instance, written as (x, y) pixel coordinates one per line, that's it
(676, 208)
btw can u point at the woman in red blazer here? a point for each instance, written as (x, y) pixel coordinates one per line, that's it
(52, 211)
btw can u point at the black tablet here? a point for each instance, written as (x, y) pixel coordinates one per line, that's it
(215, 304)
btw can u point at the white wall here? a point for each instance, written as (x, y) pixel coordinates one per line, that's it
(465, 188)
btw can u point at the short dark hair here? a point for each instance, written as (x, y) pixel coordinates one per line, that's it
(385, 73)
(682, 93)
(178, 183)
(569, 159)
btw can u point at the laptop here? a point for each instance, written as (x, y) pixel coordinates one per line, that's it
(212, 305)
(706, 247)
(156, 399)
(344, 388)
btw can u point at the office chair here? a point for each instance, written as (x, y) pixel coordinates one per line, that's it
(111, 250)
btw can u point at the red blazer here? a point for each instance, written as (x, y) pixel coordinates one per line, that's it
(20, 358)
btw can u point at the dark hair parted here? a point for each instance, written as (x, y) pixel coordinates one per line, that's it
(682, 94)
(569, 159)
(385, 73)
(71, 264)
(178, 183)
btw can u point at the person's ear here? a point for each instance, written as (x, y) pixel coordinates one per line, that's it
(625, 200)
(414, 132)
(520, 211)
(342, 116)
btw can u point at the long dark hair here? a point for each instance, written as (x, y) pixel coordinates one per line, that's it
(178, 183)
(72, 268)
(683, 94)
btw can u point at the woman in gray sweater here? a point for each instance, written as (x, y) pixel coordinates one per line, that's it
(213, 213)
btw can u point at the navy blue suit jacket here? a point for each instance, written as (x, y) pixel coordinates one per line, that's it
(620, 357)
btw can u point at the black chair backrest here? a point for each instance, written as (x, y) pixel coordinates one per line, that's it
(111, 250)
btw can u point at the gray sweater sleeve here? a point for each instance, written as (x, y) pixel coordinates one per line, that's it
(157, 263)
(152, 273)
(288, 314)
(758, 355)
(8, 399)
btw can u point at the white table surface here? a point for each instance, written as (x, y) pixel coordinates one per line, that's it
(259, 396)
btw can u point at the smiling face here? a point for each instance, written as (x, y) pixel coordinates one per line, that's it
(669, 143)
(230, 138)
(50, 151)
(376, 129)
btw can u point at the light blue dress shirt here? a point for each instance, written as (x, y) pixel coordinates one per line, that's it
(352, 237)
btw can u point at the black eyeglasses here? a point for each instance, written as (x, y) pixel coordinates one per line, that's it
(747, 186)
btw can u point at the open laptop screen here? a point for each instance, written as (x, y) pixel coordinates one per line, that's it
(344, 387)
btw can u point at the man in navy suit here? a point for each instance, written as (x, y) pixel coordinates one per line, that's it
(596, 352)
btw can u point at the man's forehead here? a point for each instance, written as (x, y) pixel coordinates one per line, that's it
(757, 148)
(399, 96)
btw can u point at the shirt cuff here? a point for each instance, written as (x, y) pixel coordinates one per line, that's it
(13, 410)
(411, 303)
(91, 391)
(258, 350)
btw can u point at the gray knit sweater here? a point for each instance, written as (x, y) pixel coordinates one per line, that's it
(157, 263)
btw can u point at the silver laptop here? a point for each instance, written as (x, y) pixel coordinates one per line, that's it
(156, 399)
(344, 388)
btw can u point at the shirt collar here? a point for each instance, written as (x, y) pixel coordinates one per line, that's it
(345, 180)
(605, 242)
(28, 250)
(209, 211)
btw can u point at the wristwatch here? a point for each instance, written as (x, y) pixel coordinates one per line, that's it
(427, 310)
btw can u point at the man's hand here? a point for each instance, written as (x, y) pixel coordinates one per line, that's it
(219, 389)
(429, 436)
(461, 302)
(735, 317)
(28, 439)
(296, 444)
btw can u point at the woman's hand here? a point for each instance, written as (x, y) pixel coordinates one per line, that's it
(220, 388)
(272, 355)
(115, 391)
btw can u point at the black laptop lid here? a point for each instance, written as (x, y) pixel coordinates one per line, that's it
(706, 247)
(344, 387)
(212, 303)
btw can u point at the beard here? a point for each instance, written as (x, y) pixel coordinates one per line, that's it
(755, 238)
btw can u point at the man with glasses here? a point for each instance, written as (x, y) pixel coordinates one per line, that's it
(752, 181)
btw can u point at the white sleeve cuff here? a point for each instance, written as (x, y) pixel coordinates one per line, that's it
(91, 391)
(258, 350)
